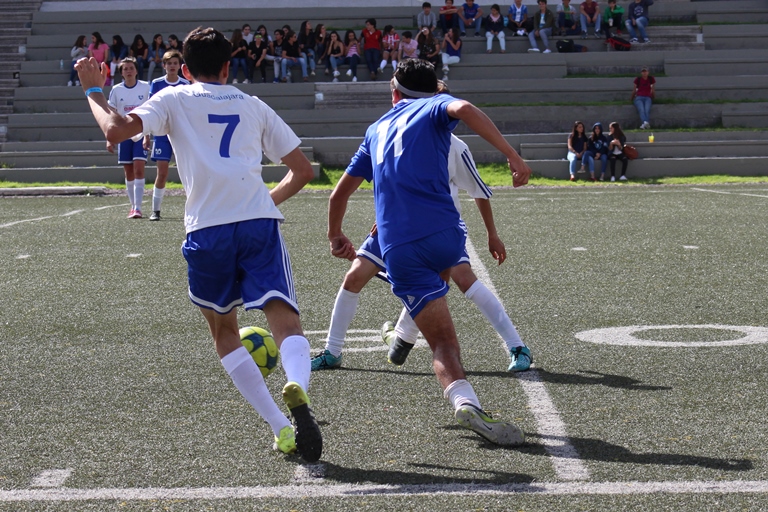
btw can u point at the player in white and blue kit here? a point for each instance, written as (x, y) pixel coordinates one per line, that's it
(123, 98)
(161, 149)
(234, 249)
(405, 154)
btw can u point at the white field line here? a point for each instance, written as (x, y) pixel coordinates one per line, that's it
(354, 490)
(68, 214)
(371, 335)
(729, 193)
(51, 478)
(554, 437)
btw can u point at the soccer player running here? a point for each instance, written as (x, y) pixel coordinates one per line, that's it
(123, 98)
(405, 154)
(160, 146)
(234, 249)
(462, 174)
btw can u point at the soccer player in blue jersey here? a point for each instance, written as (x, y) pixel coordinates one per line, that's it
(234, 249)
(160, 147)
(405, 154)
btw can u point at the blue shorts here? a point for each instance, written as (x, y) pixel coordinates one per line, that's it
(239, 263)
(128, 151)
(414, 268)
(161, 149)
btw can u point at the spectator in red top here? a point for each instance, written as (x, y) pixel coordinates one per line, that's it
(371, 39)
(643, 95)
(590, 15)
(449, 17)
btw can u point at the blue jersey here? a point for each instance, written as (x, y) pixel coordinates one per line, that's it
(158, 84)
(405, 153)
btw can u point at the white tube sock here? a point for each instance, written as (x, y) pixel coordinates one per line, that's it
(344, 310)
(248, 380)
(491, 308)
(157, 198)
(138, 191)
(129, 189)
(406, 329)
(460, 392)
(294, 352)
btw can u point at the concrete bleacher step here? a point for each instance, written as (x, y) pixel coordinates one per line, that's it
(660, 167)
(736, 37)
(738, 11)
(115, 174)
(672, 149)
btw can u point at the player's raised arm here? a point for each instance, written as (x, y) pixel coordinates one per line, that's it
(300, 173)
(341, 247)
(484, 127)
(116, 128)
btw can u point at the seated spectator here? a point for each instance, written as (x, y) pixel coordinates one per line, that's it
(334, 53)
(426, 17)
(518, 21)
(470, 15)
(566, 19)
(370, 39)
(616, 150)
(643, 94)
(262, 29)
(286, 29)
(77, 52)
(494, 27)
(257, 57)
(306, 38)
(429, 50)
(239, 56)
(597, 149)
(577, 146)
(292, 57)
(449, 17)
(612, 18)
(353, 52)
(139, 50)
(637, 18)
(590, 15)
(543, 24)
(391, 44)
(451, 50)
(175, 44)
(118, 51)
(321, 41)
(409, 47)
(275, 53)
(247, 34)
(156, 51)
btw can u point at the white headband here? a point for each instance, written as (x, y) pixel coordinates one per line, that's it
(412, 94)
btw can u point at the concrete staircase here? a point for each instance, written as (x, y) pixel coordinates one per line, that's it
(15, 27)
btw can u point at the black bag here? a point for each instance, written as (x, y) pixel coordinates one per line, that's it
(619, 44)
(565, 46)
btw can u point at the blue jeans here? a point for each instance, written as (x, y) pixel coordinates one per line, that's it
(462, 28)
(643, 106)
(352, 61)
(588, 160)
(309, 56)
(236, 64)
(373, 59)
(570, 26)
(642, 22)
(573, 163)
(140, 63)
(72, 73)
(301, 61)
(446, 25)
(544, 34)
(585, 25)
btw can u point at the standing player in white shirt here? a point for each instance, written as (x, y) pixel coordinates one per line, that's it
(234, 248)
(123, 98)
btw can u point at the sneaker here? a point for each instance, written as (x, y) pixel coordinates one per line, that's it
(70, 84)
(533, 50)
(593, 179)
(646, 40)
(647, 125)
(598, 35)
(234, 81)
(77, 83)
(602, 177)
(336, 72)
(327, 72)
(276, 81)
(582, 170)
(335, 80)
(155, 215)
(445, 69)
(312, 73)
(373, 75)
(463, 34)
(622, 178)
(495, 431)
(521, 359)
(477, 34)
(246, 81)
(398, 349)
(131, 212)
(326, 361)
(583, 35)
(547, 51)
(634, 40)
(134, 214)
(445, 78)
(521, 32)
(573, 177)
(613, 178)
(381, 70)
(354, 79)
(309, 440)
(286, 442)
(349, 72)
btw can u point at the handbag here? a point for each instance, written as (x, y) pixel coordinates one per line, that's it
(630, 152)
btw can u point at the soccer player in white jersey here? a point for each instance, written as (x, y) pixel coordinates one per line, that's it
(161, 149)
(462, 175)
(405, 154)
(123, 98)
(234, 249)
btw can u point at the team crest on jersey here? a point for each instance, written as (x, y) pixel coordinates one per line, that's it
(141, 96)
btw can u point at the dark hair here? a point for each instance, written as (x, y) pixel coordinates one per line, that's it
(593, 137)
(206, 51)
(118, 41)
(416, 75)
(286, 28)
(346, 36)
(425, 5)
(80, 42)
(290, 34)
(303, 27)
(407, 34)
(442, 88)
(262, 26)
(156, 46)
(173, 37)
(616, 129)
(237, 36)
(455, 34)
(138, 38)
(246, 25)
(372, 21)
(127, 60)
(496, 6)
(318, 32)
(99, 40)
(575, 133)
(387, 29)
(545, 2)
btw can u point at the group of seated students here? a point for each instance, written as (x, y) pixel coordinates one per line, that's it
(585, 149)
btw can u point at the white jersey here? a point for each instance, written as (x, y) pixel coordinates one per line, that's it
(218, 134)
(462, 173)
(124, 99)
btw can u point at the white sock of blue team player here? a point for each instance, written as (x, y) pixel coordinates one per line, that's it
(294, 352)
(129, 189)
(344, 310)
(138, 192)
(157, 198)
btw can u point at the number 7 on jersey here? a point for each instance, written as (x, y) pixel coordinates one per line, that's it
(226, 139)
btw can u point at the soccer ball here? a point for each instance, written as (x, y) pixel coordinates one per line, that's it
(262, 347)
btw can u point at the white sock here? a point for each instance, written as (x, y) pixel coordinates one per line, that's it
(383, 64)
(491, 308)
(138, 191)
(394, 64)
(344, 310)
(297, 364)
(406, 329)
(460, 392)
(248, 380)
(131, 196)
(157, 198)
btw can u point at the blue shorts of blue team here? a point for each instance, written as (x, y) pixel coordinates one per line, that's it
(414, 268)
(242, 263)
(161, 149)
(128, 151)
